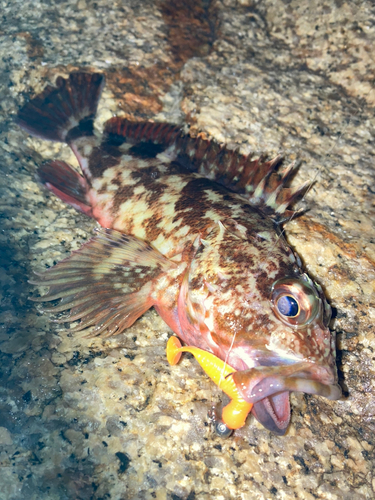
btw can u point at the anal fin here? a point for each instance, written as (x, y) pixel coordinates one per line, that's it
(108, 283)
(66, 183)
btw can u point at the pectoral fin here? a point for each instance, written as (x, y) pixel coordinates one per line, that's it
(107, 283)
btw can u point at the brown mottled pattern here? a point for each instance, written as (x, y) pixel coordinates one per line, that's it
(193, 206)
(105, 156)
(193, 229)
(152, 229)
(239, 173)
(122, 193)
(159, 201)
(240, 263)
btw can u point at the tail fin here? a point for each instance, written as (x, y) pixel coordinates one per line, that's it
(64, 112)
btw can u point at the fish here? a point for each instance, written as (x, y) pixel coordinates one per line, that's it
(196, 230)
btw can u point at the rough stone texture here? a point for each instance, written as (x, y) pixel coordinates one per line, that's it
(99, 419)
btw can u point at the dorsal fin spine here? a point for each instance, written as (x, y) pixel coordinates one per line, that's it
(255, 179)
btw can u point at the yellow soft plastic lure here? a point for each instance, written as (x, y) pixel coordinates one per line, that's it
(235, 413)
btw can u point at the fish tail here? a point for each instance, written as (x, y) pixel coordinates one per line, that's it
(64, 112)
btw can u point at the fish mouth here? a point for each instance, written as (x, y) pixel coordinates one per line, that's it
(273, 412)
(268, 389)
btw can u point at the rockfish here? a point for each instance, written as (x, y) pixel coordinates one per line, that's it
(192, 229)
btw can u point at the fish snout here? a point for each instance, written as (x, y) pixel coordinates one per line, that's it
(326, 374)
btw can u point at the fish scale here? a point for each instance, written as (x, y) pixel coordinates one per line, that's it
(194, 230)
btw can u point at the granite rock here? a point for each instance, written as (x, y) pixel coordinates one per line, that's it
(109, 418)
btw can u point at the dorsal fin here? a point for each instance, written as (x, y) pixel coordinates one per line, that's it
(135, 132)
(257, 180)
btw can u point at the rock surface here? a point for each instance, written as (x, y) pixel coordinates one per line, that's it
(98, 419)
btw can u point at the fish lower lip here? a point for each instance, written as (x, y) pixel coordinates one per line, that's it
(273, 385)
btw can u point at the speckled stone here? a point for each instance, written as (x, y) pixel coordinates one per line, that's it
(109, 418)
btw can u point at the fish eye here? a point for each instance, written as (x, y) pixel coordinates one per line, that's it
(295, 302)
(287, 306)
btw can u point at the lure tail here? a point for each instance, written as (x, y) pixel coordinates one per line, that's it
(235, 413)
(64, 112)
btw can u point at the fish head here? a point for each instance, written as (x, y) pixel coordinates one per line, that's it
(301, 353)
(257, 310)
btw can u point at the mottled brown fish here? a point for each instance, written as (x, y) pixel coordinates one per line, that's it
(194, 230)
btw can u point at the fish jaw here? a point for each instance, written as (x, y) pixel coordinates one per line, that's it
(268, 389)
